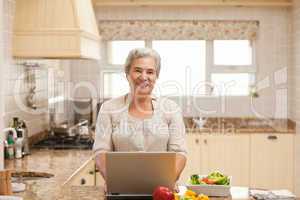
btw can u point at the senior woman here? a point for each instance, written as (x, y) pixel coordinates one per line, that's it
(138, 121)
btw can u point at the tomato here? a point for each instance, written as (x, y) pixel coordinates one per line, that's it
(162, 193)
(208, 181)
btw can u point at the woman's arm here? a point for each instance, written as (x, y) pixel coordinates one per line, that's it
(177, 141)
(180, 164)
(101, 163)
(103, 141)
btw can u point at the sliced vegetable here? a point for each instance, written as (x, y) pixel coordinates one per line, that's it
(213, 178)
(195, 179)
(191, 195)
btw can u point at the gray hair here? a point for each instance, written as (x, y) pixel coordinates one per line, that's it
(142, 53)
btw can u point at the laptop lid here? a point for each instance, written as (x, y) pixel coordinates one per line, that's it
(139, 172)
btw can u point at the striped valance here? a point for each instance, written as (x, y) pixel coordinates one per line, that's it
(178, 30)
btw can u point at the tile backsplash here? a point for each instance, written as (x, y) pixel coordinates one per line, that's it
(46, 87)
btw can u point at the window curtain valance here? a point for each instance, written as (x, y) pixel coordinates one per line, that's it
(178, 30)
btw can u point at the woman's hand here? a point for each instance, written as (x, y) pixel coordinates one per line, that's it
(176, 188)
(105, 187)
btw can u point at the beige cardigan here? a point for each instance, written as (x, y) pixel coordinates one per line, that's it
(117, 130)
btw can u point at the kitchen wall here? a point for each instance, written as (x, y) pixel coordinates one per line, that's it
(6, 16)
(294, 87)
(16, 92)
(85, 81)
(50, 79)
(2, 17)
(16, 84)
(272, 54)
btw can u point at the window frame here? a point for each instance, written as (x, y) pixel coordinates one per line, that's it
(210, 67)
(230, 69)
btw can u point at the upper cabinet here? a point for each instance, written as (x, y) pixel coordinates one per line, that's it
(55, 29)
(257, 3)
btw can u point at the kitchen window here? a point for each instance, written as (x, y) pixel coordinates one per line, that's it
(183, 66)
(118, 50)
(189, 67)
(115, 83)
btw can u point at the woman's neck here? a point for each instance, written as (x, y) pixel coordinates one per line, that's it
(141, 106)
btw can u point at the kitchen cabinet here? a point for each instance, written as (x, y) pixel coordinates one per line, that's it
(255, 160)
(193, 160)
(227, 153)
(272, 161)
(55, 29)
(85, 175)
(99, 179)
(257, 3)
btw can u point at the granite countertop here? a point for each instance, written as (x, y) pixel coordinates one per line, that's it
(61, 163)
(96, 193)
(240, 125)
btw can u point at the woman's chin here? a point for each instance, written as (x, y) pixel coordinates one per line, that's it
(143, 92)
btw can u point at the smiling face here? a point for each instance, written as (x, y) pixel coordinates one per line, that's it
(142, 75)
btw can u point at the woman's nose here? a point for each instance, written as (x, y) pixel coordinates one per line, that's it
(144, 75)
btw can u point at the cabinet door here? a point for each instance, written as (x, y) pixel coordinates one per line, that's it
(85, 175)
(228, 154)
(193, 158)
(272, 161)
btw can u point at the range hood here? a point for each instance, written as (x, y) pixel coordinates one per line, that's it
(55, 29)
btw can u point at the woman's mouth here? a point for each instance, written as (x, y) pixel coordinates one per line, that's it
(144, 85)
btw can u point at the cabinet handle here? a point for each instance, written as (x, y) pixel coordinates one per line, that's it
(205, 141)
(91, 172)
(272, 137)
(82, 181)
(197, 141)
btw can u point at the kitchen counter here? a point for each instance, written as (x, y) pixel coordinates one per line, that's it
(241, 125)
(94, 192)
(61, 163)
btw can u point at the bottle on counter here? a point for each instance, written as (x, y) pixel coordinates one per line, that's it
(15, 123)
(26, 149)
(18, 147)
(10, 146)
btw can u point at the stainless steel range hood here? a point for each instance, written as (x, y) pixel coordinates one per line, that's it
(55, 29)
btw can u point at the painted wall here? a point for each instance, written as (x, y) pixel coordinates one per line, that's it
(6, 16)
(294, 87)
(1, 82)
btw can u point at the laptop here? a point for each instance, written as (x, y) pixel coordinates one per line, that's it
(135, 175)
